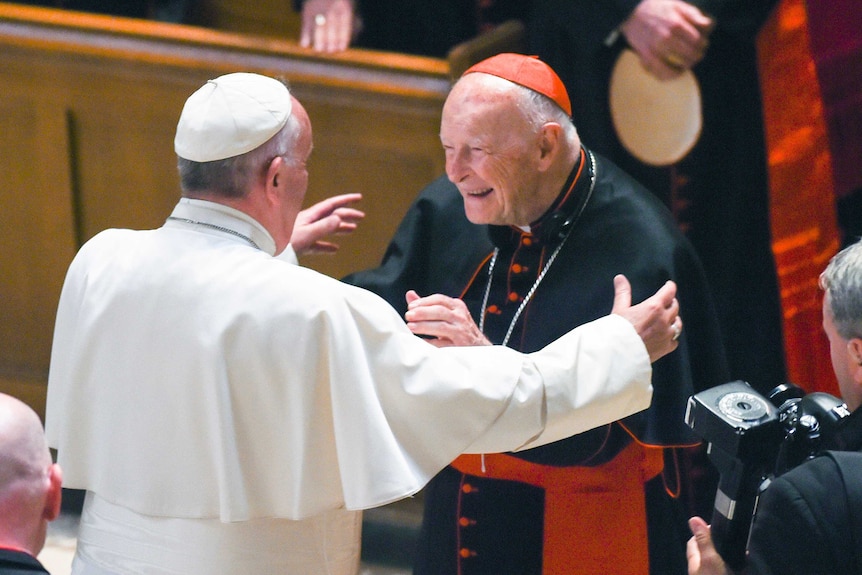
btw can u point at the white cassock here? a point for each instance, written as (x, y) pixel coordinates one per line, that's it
(228, 411)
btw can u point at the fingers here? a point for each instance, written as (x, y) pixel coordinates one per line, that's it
(666, 297)
(411, 296)
(327, 25)
(689, 37)
(703, 559)
(308, 236)
(655, 319)
(327, 217)
(699, 528)
(444, 318)
(306, 29)
(669, 36)
(676, 328)
(622, 294)
(334, 204)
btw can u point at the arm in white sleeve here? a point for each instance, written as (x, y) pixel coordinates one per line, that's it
(592, 376)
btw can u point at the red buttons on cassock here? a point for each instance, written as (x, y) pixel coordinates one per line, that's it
(517, 268)
(513, 296)
(466, 522)
(467, 488)
(466, 553)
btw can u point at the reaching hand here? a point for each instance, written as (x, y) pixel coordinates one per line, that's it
(656, 319)
(703, 559)
(331, 216)
(329, 25)
(443, 318)
(670, 36)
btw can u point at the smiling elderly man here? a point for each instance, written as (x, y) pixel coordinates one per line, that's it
(516, 247)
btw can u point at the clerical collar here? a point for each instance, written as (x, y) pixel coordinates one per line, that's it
(555, 223)
(222, 219)
(558, 235)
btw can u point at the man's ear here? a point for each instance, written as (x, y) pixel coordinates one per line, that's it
(549, 146)
(273, 181)
(854, 348)
(54, 498)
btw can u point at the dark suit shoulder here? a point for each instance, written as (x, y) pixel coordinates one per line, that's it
(803, 524)
(19, 563)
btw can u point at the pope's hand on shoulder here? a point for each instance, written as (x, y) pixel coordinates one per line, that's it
(332, 216)
(444, 320)
(669, 36)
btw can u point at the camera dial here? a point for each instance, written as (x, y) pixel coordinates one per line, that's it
(742, 406)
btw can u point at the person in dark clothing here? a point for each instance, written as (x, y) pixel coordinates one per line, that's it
(516, 246)
(718, 192)
(809, 519)
(30, 488)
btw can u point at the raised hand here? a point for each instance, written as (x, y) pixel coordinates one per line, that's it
(332, 216)
(656, 319)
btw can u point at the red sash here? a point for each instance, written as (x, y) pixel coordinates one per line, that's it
(595, 517)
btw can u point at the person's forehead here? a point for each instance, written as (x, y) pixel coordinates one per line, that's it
(480, 87)
(476, 100)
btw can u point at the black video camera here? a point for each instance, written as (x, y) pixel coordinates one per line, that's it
(751, 440)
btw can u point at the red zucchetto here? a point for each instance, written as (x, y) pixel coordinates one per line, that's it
(527, 71)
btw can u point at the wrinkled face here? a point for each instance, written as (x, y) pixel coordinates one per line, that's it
(845, 363)
(491, 152)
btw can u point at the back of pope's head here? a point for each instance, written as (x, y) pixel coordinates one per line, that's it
(230, 116)
(230, 130)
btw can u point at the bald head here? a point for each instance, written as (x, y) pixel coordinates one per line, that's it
(30, 484)
(23, 449)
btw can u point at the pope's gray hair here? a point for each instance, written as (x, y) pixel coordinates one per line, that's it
(842, 281)
(233, 177)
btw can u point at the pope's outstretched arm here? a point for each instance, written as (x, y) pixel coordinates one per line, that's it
(595, 374)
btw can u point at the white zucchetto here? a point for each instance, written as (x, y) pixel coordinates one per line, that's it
(230, 116)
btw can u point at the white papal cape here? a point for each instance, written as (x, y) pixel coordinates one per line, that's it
(195, 377)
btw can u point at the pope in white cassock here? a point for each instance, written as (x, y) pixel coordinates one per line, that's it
(228, 411)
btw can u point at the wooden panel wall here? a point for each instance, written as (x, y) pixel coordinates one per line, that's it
(88, 108)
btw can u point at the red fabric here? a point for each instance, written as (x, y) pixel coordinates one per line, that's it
(580, 532)
(527, 71)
